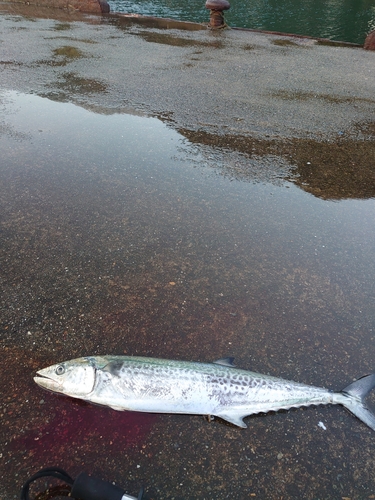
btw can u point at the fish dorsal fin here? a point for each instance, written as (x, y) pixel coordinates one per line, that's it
(225, 362)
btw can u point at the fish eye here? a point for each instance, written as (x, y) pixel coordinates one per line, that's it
(60, 370)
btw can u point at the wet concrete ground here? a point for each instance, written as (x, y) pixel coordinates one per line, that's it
(189, 195)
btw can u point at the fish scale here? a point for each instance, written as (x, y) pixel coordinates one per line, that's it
(170, 386)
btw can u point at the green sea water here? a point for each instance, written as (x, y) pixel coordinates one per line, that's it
(344, 20)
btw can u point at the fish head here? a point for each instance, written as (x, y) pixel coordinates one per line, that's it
(75, 378)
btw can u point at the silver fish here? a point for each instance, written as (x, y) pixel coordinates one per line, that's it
(215, 389)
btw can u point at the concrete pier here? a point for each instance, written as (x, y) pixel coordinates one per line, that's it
(164, 192)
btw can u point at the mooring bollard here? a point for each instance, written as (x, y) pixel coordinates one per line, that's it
(370, 41)
(216, 8)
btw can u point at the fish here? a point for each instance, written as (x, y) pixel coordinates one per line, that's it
(217, 389)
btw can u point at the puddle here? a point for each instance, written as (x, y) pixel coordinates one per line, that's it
(121, 235)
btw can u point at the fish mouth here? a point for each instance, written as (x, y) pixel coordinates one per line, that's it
(47, 382)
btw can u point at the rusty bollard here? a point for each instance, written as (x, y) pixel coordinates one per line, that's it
(216, 8)
(370, 41)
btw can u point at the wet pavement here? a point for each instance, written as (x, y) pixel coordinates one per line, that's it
(188, 195)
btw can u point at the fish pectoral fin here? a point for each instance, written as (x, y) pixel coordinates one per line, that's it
(113, 368)
(233, 418)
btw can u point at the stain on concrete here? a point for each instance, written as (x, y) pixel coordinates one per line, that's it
(62, 56)
(248, 46)
(11, 63)
(332, 43)
(68, 52)
(74, 83)
(283, 42)
(299, 95)
(175, 41)
(62, 26)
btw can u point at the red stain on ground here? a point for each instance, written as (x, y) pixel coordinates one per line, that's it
(82, 431)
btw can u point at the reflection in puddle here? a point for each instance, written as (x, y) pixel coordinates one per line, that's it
(119, 235)
(333, 170)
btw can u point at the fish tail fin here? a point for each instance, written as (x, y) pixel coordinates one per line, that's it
(354, 399)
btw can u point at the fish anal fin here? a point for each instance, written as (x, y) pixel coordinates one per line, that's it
(233, 419)
(225, 362)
